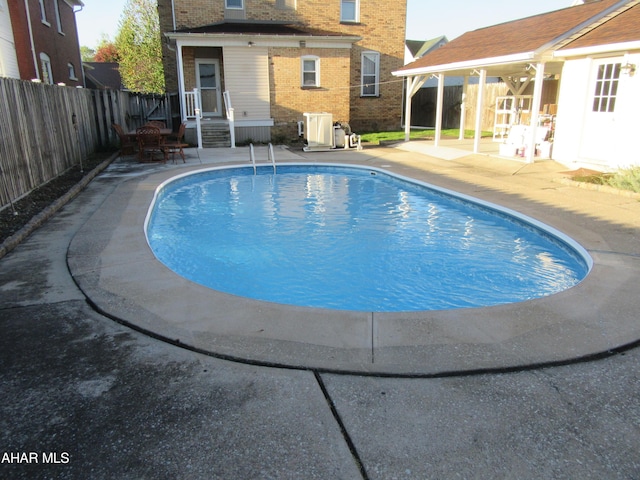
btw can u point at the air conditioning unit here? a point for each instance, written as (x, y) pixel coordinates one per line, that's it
(318, 131)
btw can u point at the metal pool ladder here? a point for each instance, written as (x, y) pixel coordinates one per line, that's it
(272, 157)
(252, 155)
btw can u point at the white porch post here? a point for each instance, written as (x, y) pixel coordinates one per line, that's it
(479, 107)
(535, 111)
(439, 102)
(463, 106)
(183, 110)
(407, 109)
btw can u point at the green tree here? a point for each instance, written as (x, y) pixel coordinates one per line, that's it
(139, 47)
(87, 54)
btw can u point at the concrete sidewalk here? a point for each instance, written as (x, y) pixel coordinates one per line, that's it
(104, 401)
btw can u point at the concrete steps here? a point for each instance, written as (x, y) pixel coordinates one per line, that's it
(215, 135)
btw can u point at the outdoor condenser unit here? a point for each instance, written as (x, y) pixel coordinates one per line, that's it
(318, 131)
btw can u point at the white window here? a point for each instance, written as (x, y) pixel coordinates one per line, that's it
(58, 19)
(604, 99)
(47, 73)
(349, 10)
(370, 81)
(310, 71)
(286, 4)
(72, 71)
(234, 4)
(43, 14)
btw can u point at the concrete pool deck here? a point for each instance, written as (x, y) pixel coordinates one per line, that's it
(114, 267)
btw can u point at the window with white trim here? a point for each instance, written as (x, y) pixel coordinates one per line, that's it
(310, 71)
(350, 11)
(58, 18)
(43, 14)
(47, 73)
(370, 76)
(72, 71)
(604, 98)
(234, 4)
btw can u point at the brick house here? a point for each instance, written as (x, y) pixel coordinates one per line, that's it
(45, 37)
(280, 58)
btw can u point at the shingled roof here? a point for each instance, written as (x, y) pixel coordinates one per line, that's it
(525, 38)
(258, 28)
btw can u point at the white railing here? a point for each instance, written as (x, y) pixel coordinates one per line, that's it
(230, 117)
(272, 157)
(192, 102)
(252, 156)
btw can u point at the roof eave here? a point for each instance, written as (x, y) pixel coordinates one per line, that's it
(597, 49)
(468, 65)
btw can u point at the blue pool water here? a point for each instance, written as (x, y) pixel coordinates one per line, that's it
(353, 239)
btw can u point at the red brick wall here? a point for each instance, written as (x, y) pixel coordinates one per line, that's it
(62, 48)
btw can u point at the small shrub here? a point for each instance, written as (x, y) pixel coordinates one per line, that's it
(626, 179)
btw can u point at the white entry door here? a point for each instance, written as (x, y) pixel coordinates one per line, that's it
(208, 82)
(599, 127)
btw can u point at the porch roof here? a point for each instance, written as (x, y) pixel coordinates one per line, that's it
(505, 49)
(269, 29)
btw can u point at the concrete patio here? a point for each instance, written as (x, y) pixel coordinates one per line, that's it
(543, 389)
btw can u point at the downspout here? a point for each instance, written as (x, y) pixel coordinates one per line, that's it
(33, 47)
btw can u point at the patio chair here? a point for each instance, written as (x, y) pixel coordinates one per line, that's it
(176, 145)
(156, 123)
(149, 142)
(127, 144)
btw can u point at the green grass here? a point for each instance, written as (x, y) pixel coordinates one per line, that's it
(374, 138)
(626, 179)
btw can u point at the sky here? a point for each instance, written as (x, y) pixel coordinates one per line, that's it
(426, 19)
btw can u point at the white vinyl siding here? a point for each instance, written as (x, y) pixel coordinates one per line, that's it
(246, 78)
(8, 59)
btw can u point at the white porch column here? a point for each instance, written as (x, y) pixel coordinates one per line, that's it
(463, 106)
(407, 109)
(535, 111)
(183, 110)
(479, 107)
(439, 102)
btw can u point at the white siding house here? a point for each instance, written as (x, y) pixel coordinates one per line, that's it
(8, 58)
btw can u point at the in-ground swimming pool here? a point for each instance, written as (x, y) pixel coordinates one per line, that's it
(353, 238)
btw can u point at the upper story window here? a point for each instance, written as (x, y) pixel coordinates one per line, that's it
(310, 71)
(234, 4)
(604, 99)
(370, 81)
(286, 4)
(43, 14)
(58, 18)
(47, 73)
(72, 71)
(350, 11)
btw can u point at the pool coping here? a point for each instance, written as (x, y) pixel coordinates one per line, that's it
(112, 264)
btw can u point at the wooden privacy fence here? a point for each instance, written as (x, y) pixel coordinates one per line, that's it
(423, 108)
(48, 129)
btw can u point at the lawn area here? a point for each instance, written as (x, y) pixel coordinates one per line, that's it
(374, 138)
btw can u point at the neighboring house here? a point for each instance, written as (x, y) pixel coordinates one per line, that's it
(8, 58)
(102, 75)
(415, 49)
(46, 40)
(278, 59)
(592, 48)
